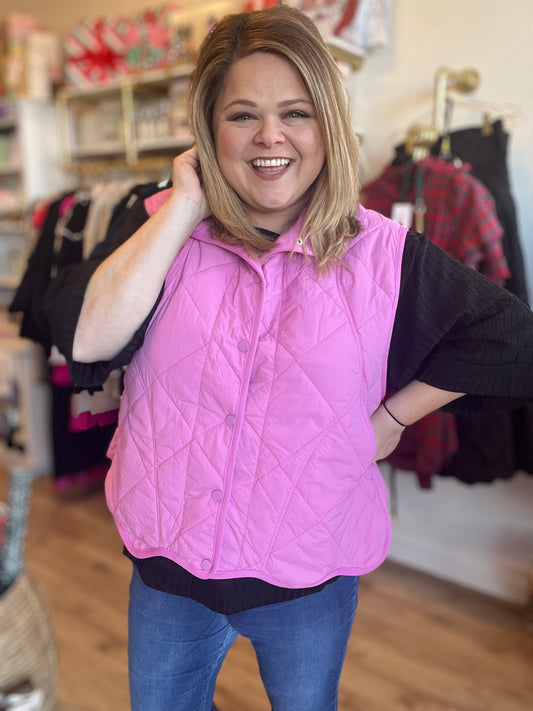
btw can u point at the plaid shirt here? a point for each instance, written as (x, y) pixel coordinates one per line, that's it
(460, 218)
(460, 213)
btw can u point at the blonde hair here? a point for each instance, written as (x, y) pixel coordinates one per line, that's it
(331, 215)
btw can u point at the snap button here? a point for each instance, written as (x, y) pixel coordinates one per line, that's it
(216, 495)
(299, 241)
(206, 564)
(230, 420)
(257, 279)
(243, 346)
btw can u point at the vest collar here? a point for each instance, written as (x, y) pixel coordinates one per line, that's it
(288, 241)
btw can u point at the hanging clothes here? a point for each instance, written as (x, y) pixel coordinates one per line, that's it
(498, 445)
(78, 457)
(28, 297)
(69, 226)
(460, 212)
(460, 217)
(486, 153)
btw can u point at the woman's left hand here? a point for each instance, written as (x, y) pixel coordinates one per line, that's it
(408, 405)
(387, 431)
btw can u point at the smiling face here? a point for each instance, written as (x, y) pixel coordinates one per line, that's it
(268, 140)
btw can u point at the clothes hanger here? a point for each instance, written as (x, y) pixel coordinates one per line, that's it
(511, 115)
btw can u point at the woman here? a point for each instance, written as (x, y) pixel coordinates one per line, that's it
(263, 314)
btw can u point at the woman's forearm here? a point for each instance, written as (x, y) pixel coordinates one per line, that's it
(125, 287)
(418, 399)
(405, 407)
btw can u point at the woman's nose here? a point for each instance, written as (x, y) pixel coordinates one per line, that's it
(269, 132)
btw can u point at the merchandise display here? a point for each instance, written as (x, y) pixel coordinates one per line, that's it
(107, 49)
(30, 59)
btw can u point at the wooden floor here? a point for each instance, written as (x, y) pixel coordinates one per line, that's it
(418, 644)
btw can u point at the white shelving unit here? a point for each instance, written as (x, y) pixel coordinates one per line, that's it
(29, 169)
(131, 122)
(11, 199)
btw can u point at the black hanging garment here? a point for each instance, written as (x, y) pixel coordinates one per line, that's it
(28, 298)
(80, 452)
(79, 456)
(494, 446)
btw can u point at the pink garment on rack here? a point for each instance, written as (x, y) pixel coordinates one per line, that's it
(67, 204)
(87, 410)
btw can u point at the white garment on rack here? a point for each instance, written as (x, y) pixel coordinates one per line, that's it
(104, 197)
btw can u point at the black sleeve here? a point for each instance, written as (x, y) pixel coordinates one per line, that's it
(63, 300)
(456, 330)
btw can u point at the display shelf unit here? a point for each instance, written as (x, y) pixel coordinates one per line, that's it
(12, 249)
(129, 123)
(29, 170)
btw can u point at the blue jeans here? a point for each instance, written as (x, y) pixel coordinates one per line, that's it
(177, 646)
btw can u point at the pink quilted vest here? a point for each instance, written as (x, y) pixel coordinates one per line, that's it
(244, 445)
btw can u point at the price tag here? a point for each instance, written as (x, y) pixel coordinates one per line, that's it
(402, 212)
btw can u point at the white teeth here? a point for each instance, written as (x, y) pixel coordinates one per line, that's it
(270, 162)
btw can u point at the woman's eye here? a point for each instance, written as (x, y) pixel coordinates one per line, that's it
(241, 117)
(297, 114)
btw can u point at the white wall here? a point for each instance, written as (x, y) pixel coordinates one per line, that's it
(479, 536)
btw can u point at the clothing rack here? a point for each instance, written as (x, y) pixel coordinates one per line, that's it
(464, 81)
(420, 138)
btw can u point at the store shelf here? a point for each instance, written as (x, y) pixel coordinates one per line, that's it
(29, 170)
(140, 80)
(12, 227)
(140, 116)
(8, 122)
(10, 169)
(165, 144)
(109, 148)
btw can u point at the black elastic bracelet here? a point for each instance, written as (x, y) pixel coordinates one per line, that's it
(394, 418)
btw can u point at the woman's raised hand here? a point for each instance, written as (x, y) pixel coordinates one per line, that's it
(187, 181)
